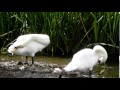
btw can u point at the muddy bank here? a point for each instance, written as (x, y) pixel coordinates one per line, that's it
(38, 70)
(15, 69)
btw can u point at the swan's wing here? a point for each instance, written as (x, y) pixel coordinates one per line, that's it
(41, 38)
(24, 40)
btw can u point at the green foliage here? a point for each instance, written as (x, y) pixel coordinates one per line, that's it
(68, 31)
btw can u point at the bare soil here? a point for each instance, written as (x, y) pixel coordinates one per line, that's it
(38, 70)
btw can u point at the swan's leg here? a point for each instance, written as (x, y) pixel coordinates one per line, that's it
(60, 76)
(87, 76)
(62, 73)
(32, 60)
(26, 61)
(90, 74)
(81, 74)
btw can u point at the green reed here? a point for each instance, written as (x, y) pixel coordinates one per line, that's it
(68, 31)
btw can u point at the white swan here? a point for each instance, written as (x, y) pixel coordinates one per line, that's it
(29, 45)
(85, 59)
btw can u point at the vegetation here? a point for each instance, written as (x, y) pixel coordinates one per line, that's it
(69, 31)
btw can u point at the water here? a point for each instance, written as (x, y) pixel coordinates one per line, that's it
(112, 70)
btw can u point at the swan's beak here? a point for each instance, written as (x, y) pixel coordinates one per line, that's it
(10, 54)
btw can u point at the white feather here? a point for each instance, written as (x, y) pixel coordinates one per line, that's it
(57, 70)
(29, 44)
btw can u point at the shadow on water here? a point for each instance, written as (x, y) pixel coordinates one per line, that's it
(111, 72)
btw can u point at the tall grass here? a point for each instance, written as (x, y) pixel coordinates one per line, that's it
(68, 31)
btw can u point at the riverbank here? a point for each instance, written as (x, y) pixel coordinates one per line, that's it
(16, 69)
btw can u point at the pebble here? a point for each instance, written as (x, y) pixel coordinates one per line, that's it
(22, 67)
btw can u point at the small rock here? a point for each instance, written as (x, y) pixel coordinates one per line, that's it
(20, 63)
(22, 68)
(3, 59)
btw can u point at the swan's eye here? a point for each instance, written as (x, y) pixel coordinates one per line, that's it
(99, 61)
(16, 47)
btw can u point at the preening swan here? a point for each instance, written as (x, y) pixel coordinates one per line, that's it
(29, 45)
(85, 59)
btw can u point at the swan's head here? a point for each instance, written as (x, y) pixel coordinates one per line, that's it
(101, 53)
(13, 49)
(57, 70)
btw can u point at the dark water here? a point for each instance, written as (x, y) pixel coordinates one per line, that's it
(112, 70)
